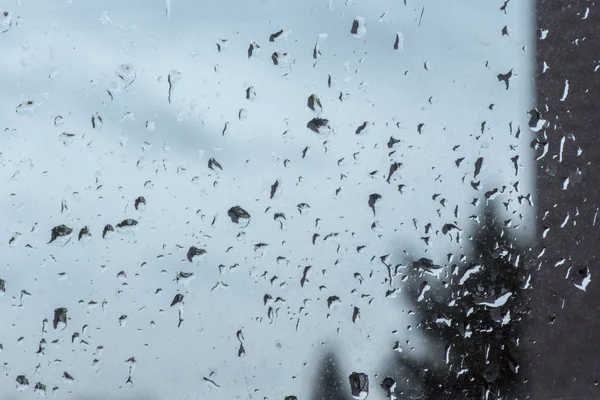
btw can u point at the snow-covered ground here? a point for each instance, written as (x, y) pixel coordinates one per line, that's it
(106, 102)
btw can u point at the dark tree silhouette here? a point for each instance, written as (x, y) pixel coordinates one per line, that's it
(329, 384)
(472, 318)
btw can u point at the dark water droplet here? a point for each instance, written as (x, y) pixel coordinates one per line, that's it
(374, 198)
(194, 253)
(426, 265)
(505, 78)
(314, 103)
(60, 318)
(108, 229)
(393, 168)
(361, 128)
(333, 300)
(22, 382)
(359, 385)
(84, 233)
(140, 203)
(275, 35)
(355, 314)
(274, 188)
(392, 142)
(177, 299)
(318, 125)
(212, 163)
(127, 223)
(253, 49)
(239, 216)
(389, 385)
(59, 231)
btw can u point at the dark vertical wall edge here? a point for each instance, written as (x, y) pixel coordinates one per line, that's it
(563, 340)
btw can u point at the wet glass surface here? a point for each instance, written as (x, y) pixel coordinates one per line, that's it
(269, 200)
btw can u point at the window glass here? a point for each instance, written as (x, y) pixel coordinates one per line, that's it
(261, 199)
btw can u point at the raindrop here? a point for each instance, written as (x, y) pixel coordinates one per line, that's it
(495, 302)
(359, 385)
(505, 78)
(173, 77)
(358, 27)
(333, 301)
(212, 163)
(108, 231)
(27, 107)
(478, 165)
(275, 189)
(60, 318)
(389, 386)
(373, 199)
(241, 349)
(60, 234)
(96, 121)
(422, 290)
(22, 383)
(279, 36)
(355, 314)
(319, 125)
(85, 234)
(426, 265)
(5, 21)
(177, 299)
(362, 128)
(239, 216)
(582, 278)
(279, 58)
(399, 42)
(314, 103)
(127, 226)
(140, 203)
(184, 277)
(127, 74)
(195, 254)
(40, 389)
(253, 49)
(250, 93)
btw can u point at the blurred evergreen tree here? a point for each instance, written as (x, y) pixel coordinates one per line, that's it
(472, 318)
(329, 384)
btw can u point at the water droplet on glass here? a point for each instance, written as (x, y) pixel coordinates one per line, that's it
(22, 383)
(127, 226)
(40, 389)
(582, 278)
(60, 318)
(60, 235)
(314, 103)
(195, 254)
(5, 21)
(359, 385)
(319, 125)
(358, 27)
(389, 386)
(140, 203)
(108, 231)
(239, 216)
